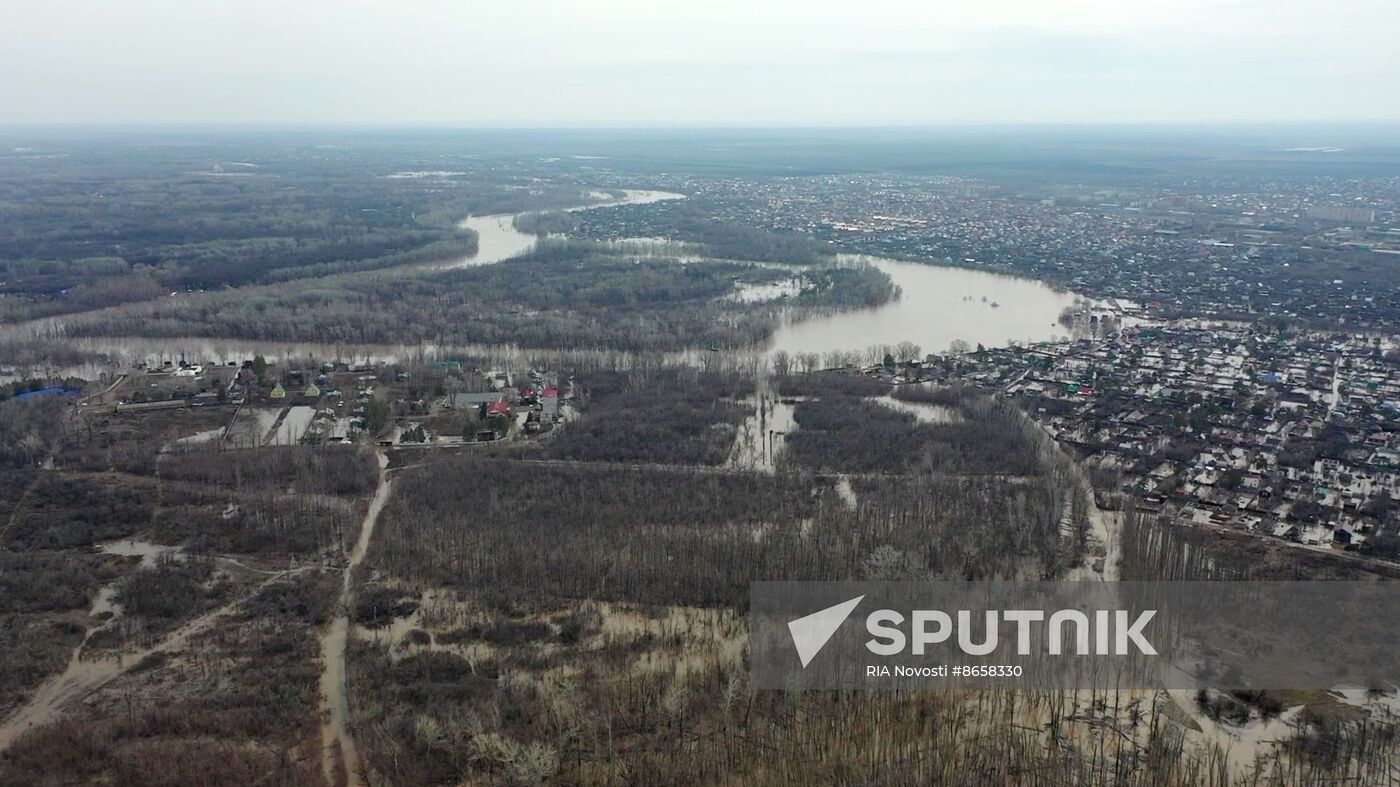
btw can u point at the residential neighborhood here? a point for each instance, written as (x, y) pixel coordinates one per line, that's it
(1286, 436)
(429, 404)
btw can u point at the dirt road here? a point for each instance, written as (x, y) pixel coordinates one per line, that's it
(340, 760)
(82, 677)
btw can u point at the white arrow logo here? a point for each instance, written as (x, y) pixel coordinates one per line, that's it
(811, 633)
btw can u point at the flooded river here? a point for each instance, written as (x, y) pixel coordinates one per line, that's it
(937, 306)
(497, 238)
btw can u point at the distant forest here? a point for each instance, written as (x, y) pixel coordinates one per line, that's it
(88, 226)
(687, 221)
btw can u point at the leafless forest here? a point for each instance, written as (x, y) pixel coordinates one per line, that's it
(571, 610)
(581, 620)
(161, 607)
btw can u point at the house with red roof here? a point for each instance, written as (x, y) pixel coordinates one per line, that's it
(549, 404)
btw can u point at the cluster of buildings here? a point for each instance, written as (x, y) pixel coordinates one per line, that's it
(1290, 436)
(338, 402)
(1315, 252)
(1252, 388)
(530, 407)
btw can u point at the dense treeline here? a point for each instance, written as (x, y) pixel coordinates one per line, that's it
(535, 548)
(31, 430)
(1328, 742)
(295, 500)
(955, 395)
(297, 469)
(39, 594)
(554, 222)
(1155, 548)
(529, 531)
(62, 511)
(44, 359)
(562, 295)
(620, 715)
(87, 284)
(239, 708)
(103, 440)
(268, 522)
(112, 223)
(544, 531)
(669, 415)
(831, 384)
(173, 591)
(48, 582)
(692, 222)
(857, 435)
(594, 635)
(182, 535)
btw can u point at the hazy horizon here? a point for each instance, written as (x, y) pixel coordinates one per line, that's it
(638, 65)
(682, 127)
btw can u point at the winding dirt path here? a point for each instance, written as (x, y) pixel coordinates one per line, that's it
(82, 677)
(340, 761)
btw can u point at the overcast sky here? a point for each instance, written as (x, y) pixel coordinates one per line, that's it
(698, 62)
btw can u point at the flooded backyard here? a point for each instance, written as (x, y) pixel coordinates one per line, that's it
(925, 412)
(761, 437)
(293, 426)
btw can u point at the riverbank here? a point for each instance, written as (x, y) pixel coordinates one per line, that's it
(936, 308)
